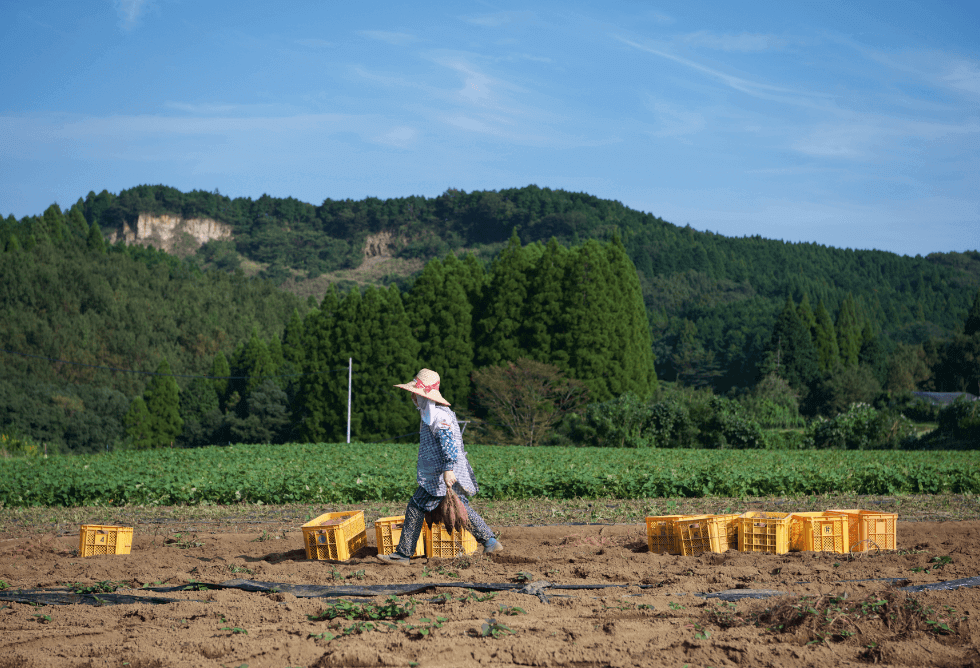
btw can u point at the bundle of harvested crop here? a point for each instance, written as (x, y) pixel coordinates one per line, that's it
(451, 512)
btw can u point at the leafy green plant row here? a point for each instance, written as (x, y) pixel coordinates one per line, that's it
(340, 473)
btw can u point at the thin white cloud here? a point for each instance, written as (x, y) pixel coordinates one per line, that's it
(395, 38)
(964, 75)
(872, 136)
(743, 42)
(756, 89)
(499, 19)
(130, 12)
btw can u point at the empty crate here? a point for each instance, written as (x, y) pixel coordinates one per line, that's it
(819, 532)
(869, 530)
(335, 535)
(764, 532)
(662, 534)
(707, 533)
(96, 539)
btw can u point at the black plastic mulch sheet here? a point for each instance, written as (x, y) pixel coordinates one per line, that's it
(944, 586)
(69, 597)
(542, 589)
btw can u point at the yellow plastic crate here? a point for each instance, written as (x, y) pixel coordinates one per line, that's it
(445, 544)
(818, 532)
(764, 532)
(662, 534)
(335, 536)
(388, 531)
(96, 539)
(707, 533)
(868, 529)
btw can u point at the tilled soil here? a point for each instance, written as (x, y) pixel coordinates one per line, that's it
(834, 610)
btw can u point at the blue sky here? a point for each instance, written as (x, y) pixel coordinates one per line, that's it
(850, 124)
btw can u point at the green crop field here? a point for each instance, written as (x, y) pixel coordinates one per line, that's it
(340, 473)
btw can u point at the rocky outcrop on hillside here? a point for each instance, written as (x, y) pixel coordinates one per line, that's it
(174, 234)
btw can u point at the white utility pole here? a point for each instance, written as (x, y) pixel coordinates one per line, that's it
(350, 369)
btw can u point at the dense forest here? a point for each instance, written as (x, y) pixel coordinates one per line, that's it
(610, 296)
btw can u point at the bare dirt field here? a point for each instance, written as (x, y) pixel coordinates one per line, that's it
(834, 610)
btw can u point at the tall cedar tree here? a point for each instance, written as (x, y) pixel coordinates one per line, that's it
(278, 357)
(77, 225)
(442, 322)
(633, 356)
(807, 316)
(543, 306)
(470, 273)
(790, 351)
(201, 413)
(94, 240)
(293, 347)
(825, 339)
(500, 320)
(139, 425)
(872, 354)
(388, 355)
(255, 363)
(848, 332)
(318, 396)
(220, 370)
(162, 398)
(374, 331)
(584, 329)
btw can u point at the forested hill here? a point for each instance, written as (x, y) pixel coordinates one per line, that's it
(711, 300)
(82, 322)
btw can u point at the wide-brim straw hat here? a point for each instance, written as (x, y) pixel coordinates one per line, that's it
(425, 384)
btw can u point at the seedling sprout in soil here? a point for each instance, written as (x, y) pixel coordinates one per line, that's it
(495, 629)
(511, 610)
(104, 587)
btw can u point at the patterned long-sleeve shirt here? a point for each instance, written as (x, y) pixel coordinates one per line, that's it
(441, 449)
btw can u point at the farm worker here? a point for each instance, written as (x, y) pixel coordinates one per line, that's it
(442, 464)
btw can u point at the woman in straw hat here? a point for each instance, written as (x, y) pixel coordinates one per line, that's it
(442, 465)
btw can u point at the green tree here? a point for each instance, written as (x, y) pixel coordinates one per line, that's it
(790, 351)
(94, 240)
(77, 225)
(632, 363)
(543, 306)
(221, 370)
(162, 398)
(139, 425)
(872, 354)
(293, 347)
(842, 388)
(386, 354)
(441, 320)
(499, 323)
(201, 413)
(825, 339)
(906, 369)
(848, 332)
(255, 363)
(583, 329)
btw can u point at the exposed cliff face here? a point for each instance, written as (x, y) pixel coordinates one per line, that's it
(383, 244)
(176, 235)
